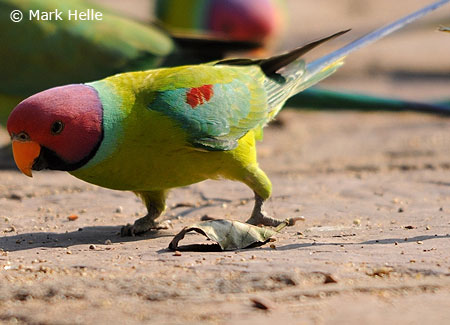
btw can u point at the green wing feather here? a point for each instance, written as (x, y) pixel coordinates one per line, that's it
(215, 105)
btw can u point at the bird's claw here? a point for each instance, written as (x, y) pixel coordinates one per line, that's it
(138, 228)
(127, 231)
(261, 218)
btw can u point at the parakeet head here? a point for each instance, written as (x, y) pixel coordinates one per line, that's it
(59, 128)
(238, 20)
(243, 20)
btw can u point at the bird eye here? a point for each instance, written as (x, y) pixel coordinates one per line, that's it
(57, 127)
(22, 136)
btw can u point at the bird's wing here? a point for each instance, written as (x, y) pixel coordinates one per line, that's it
(215, 105)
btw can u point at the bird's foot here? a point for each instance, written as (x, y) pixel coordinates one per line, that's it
(261, 218)
(141, 226)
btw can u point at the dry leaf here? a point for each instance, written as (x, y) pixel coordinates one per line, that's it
(230, 235)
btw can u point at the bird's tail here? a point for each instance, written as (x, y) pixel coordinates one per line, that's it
(295, 75)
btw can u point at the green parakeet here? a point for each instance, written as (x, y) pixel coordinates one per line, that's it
(154, 130)
(38, 54)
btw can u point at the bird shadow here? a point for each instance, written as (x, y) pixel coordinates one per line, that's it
(87, 235)
(440, 183)
(101, 234)
(6, 157)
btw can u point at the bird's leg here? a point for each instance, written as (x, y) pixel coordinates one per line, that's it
(143, 224)
(155, 202)
(260, 217)
(258, 181)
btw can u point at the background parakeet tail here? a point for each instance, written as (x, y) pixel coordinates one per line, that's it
(325, 99)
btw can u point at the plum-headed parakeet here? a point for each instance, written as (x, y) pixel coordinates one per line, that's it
(154, 130)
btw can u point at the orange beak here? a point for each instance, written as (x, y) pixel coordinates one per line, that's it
(25, 153)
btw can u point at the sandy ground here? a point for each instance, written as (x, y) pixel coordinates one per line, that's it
(375, 193)
(374, 189)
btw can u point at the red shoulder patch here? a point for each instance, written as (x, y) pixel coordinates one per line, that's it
(200, 95)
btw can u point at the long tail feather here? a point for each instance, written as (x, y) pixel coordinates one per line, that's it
(297, 76)
(320, 64)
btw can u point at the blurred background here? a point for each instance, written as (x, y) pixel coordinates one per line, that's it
(411, 64)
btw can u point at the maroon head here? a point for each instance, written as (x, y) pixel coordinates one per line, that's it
(59, 128)
(245, 20)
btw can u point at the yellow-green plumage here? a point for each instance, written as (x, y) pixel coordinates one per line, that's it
(159, 150)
